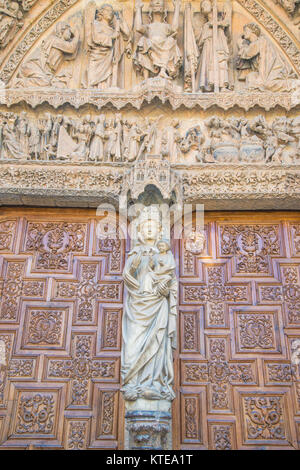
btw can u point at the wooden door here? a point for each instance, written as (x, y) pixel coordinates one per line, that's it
(239, 312)
(60, 322)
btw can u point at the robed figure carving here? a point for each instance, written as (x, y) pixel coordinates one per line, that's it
(260, 64)
(106, 32)
(157, 52)
(207, 50)
(149, 320)
(53, 66)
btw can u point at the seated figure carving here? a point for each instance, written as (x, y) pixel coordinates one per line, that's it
(157, 52)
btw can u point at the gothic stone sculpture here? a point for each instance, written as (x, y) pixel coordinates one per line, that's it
(260, 64)
(157, 52)
(48, 69)
(149, 321)
(211, 68)
(105, 33)
(10, 21)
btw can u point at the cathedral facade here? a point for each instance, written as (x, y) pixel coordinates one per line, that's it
(122, 327)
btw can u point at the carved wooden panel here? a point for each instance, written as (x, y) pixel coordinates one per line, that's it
(61, 298)
(239, 313)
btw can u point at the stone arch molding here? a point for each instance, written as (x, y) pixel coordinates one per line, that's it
(284, 40)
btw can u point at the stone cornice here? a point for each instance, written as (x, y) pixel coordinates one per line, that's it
(136, 99)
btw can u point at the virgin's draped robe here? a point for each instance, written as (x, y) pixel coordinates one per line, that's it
(157, 49)
(149, 333)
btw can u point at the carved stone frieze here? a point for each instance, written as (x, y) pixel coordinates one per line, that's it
(150, 144)
(258, 185)
(57, 184)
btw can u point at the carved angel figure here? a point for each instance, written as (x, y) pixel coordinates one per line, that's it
(46, 70)
(106, 31)
(157, 51)
(261, 66)
(208, 67)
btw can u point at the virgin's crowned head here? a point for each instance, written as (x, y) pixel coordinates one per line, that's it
(149, 223)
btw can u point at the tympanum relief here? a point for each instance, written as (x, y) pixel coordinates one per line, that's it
(49, 68)
(119, 139)
(157, 52)
(186, 47)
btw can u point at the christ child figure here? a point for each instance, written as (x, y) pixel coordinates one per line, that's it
(161, 267)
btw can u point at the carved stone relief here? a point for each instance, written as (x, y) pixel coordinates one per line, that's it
(120, 140)
(166, 49)
(157, 52)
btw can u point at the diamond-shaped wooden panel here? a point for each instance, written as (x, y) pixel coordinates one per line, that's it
(239, 313)
(61, 300)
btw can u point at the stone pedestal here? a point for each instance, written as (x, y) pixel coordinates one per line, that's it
(148, 425)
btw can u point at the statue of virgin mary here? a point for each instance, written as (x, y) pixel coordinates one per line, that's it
(149, 320)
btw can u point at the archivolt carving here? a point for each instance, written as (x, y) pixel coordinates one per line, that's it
(265, 18)
(12, 14)
(32, 36)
